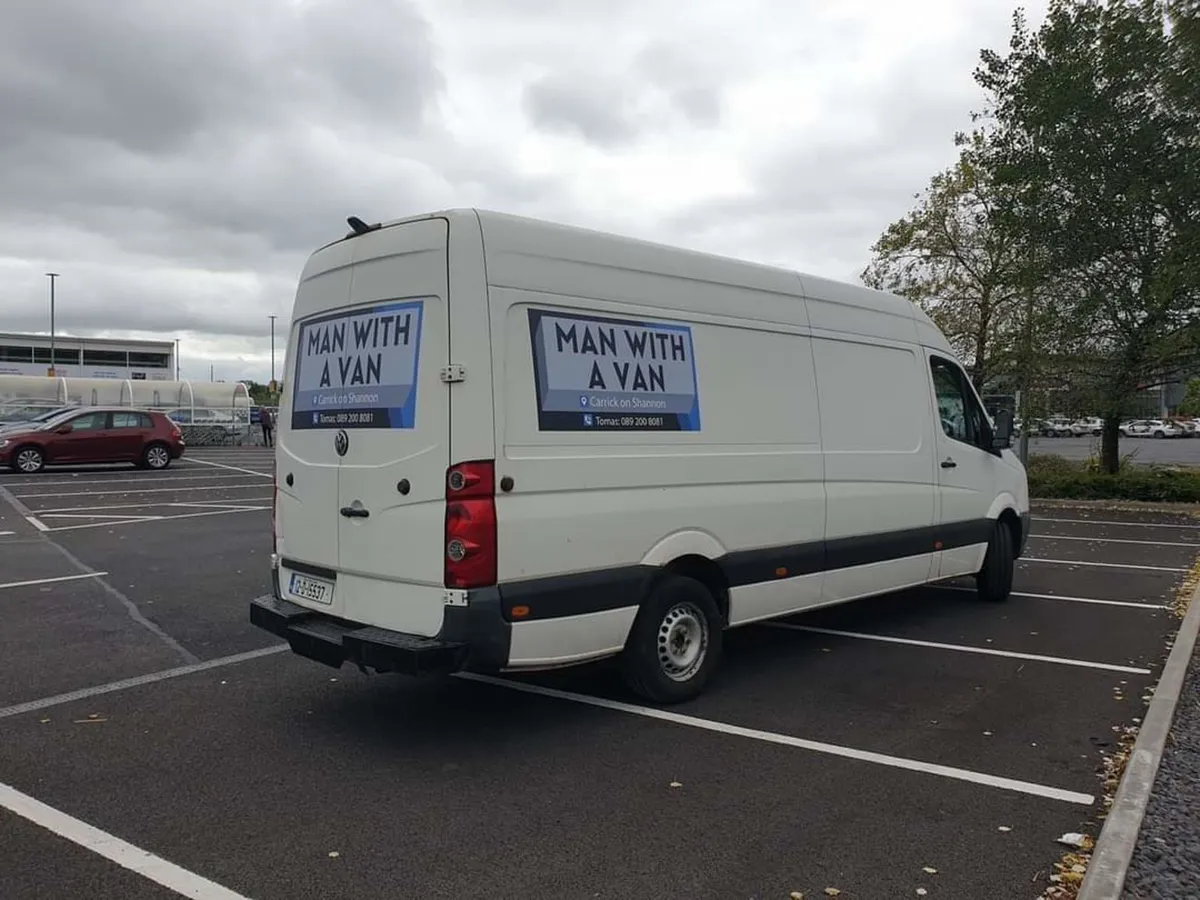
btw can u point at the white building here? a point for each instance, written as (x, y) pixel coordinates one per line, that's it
(77, 357)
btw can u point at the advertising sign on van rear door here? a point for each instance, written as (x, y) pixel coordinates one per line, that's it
(601, 374)
(358, 369)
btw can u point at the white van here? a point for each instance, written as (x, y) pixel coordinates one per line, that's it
(510, 445)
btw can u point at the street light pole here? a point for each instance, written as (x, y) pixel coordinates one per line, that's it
(52, 276)
(272, 318)
(176, 359)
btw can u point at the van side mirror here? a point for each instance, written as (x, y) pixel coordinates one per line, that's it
(1002, 435)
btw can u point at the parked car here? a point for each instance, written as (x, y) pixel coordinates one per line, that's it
(1092, 426)
(94, 435)
(1135, 428)
(1187, 427)
(1056, 426)
(24, 425)
(1161, 428)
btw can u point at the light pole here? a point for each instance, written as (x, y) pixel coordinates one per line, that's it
(176, 359)
(272, 318)
(52, 276)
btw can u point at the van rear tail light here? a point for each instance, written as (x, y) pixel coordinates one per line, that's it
(470, 539)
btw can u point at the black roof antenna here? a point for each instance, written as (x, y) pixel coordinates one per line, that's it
(358, 226)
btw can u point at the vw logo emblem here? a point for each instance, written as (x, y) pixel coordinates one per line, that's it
(341, 443)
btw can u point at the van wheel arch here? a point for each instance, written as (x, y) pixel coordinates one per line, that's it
(703, 570)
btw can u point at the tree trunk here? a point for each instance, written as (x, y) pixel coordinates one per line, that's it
(1110, 459)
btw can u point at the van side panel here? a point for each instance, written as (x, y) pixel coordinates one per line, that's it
(879, 465)
(600, 501)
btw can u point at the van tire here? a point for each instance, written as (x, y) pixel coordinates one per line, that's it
(995, 579)
(657, 662)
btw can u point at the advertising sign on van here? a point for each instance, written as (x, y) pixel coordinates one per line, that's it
(601, 374)
(358, 370)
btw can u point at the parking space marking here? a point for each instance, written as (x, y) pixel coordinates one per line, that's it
(962, 648)
(896, 762)
(1127, 603)
(138, 681)
(1103, 540)
(148, 505)
(37, 581)
(111, 847)
(123, 493)
(209, 462)
(6, 533)
(1102, 565)
(1122, 524)
(157, 477)
(138, 520)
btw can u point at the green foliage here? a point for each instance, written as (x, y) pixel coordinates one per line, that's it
(261, 394)
(1144, 484)
(1190, 405)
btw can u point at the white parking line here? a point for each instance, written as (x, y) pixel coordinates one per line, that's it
(896, 762)
(209, 462)
(1127, 603)
(962, 648)
(1122, 524)
(124, 854)
(160, 477)
(147, 504)
(1090, 540)
(138, 520)
(35, 581)
(1102, 565)
(178, 490)
(6, 533)
(137, 681)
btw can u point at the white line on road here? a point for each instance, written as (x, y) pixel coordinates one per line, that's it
(1127, 603)
(124, 854)
(90, 516)
(209, 462)
(1102, 540)
(6, 533)
(1102, 565)
(132, 520)
(159, 477)
(150, 504)
(962, 648)
(178, 490)
(138, 681)
(896, 762)
(17, 584)
(1122, 524)
(35, 522)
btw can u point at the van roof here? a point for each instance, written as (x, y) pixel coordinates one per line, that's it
(522, 231)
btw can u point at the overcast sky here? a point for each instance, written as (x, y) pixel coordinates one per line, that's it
(176, 161)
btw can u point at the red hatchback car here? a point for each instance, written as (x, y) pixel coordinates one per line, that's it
(94, 435)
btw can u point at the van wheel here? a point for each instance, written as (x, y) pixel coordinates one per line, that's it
(675, 641)
(995, 579)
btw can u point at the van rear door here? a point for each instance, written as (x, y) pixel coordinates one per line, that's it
(393, 410)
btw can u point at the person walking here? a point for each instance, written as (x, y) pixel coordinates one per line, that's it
(268, 426)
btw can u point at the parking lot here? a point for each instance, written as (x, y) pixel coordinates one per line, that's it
(1143, 451)
(924, 740)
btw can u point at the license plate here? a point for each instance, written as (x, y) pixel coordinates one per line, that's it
(308, 588)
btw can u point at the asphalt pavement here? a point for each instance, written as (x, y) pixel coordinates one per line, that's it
(856, 748)
(1141, 450)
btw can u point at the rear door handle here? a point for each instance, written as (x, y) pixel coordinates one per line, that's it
(355, 512)
(947, 463)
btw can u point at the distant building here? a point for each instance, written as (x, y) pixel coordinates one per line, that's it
(76, 357)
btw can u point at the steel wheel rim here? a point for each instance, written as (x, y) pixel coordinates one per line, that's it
(157, 457)
(682, 642)
(29, 460)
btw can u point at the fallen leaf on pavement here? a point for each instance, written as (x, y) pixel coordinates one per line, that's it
(675, 784)
(832, 892)
(929, 870)
(1004, 828)
(796, 895)
(333, 854)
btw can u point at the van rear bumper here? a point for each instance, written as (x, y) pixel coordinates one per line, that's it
(475, 637)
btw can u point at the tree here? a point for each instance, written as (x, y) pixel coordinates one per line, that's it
(951, 256)
(1190, 405)
(1094, 135)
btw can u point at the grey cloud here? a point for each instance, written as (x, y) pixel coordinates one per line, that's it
(597, 111)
